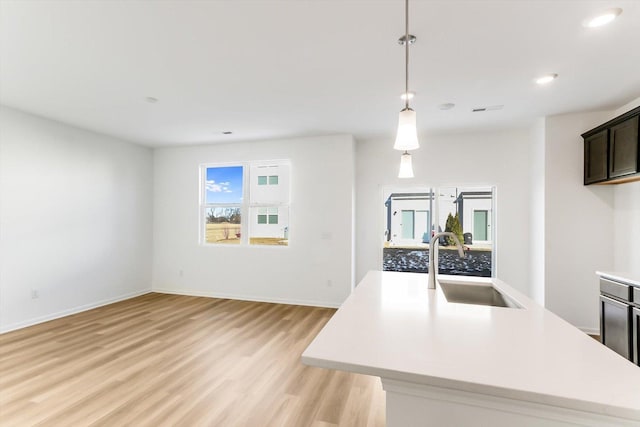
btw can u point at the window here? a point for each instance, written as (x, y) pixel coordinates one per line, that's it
(269, 204)
(407, 224)
(267, 215)
(481, 224)
(267, 180)
(258, 191)
(413, 215)
(222, 208)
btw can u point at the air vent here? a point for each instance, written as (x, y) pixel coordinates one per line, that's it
(447, 106)
(490, 108)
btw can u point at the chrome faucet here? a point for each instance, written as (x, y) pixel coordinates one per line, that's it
(433, 265)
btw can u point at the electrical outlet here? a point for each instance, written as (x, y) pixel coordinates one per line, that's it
(180, 273)
(35, 294)
(329, 283)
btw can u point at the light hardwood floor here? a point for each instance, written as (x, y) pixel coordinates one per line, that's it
(179, 361)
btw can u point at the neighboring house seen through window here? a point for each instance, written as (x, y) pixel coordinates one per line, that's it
(267, 215)
(268, 180)
(413, 215)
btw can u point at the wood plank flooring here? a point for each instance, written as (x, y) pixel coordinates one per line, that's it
(170, 360)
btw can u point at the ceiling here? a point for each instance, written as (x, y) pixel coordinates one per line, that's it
(275, 69)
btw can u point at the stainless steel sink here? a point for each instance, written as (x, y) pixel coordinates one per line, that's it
(477, 294)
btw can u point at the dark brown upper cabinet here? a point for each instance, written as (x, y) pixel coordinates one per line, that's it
(623, 148)
(611, 151)
(595, 157)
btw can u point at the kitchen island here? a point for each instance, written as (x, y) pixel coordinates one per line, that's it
(452, 364)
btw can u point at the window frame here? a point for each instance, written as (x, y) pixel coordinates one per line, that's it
(246, 205)
(387, 223)
(204, 206)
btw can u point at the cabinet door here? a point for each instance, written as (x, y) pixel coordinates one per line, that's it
(595, 157)
(635, 320)
(623, 148)
(615, 326)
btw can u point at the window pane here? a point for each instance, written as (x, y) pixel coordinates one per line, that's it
(411, 222)
(223, 225)
(269, 228)
(269, 183)
(466, 212)
(223, 185)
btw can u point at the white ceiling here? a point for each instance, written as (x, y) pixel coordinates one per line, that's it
(269, 69)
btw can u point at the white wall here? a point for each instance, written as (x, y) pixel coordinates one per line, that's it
(586, 228)
(315, 268)
(627, 228)
(463, 160)
(537, 212)
(57, 182)
(75, 219)
(579, 236)
(626, 218)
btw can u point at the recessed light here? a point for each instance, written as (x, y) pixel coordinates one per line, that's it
(227, 132)
(410, 95)
(603, 18)
(446, 106)
(548, 78)
(151, 99)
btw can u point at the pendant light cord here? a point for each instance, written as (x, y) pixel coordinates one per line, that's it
(406, 54)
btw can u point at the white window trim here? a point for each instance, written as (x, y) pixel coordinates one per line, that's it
(245, 206)
(203, 206)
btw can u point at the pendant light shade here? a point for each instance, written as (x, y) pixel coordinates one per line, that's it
(407, 137)
(406, 169)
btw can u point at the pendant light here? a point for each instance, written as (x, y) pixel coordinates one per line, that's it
(407, 137)
(406, 169)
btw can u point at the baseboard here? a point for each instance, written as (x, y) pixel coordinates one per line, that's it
(70, 311)
(590, 331)
(208, 294)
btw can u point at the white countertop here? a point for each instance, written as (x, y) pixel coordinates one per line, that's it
(392, 326)
(621, 276)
